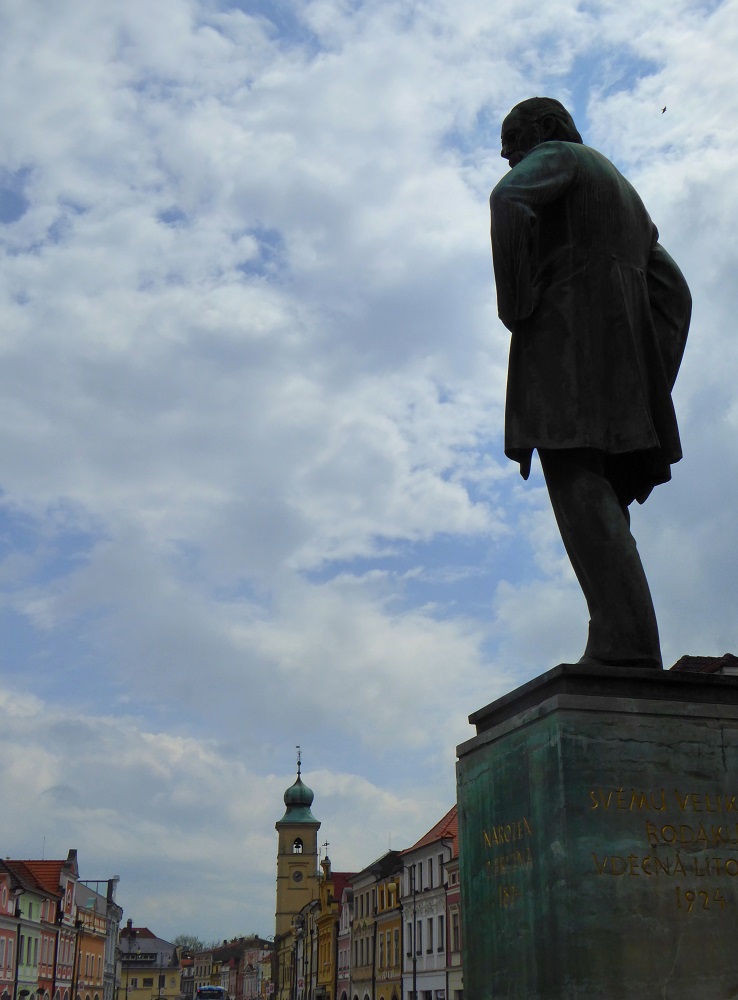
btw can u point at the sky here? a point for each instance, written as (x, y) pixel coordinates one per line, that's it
(252, 487)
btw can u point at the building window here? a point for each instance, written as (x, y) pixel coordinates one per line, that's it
(148, 982)
(2, 953)
(397, 947)
(429, 924)
(430, 873)
(455, 935)
(419, 938)
(441, 934)
(134, 982)
(409, 943)
(419, 876)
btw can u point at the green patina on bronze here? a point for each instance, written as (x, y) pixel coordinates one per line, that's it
(599, 847)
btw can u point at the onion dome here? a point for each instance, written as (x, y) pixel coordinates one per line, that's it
(298, 798)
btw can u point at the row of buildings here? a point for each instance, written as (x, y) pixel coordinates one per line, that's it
(60, 939)
(58, 934)
(242, 968)
(391, 931)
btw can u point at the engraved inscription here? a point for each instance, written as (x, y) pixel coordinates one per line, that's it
(693, 838)
(508, 853)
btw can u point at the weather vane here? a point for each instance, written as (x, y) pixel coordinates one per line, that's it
(299, 758)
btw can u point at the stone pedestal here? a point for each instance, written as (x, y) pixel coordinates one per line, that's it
(598, 824)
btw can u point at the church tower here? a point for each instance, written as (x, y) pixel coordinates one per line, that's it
(297, 870)
(297, 853)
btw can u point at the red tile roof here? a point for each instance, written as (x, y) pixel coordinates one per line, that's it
(446, 829)
(340, 881)
(707, 664)
(47, 874)
(25, 874)
(140, 932)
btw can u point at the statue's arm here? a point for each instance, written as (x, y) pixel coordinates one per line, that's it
(543, 176)
(671, 308)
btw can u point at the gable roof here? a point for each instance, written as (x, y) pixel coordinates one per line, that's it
(727, 663)
(47, 874)
(340, 881)
(27, 878)
(445, 829)
(138, 933)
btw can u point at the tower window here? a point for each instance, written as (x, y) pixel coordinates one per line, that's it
(297, 846)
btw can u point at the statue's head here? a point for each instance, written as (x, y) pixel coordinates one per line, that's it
(537, 120)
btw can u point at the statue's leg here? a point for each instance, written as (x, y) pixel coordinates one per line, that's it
(595, 529)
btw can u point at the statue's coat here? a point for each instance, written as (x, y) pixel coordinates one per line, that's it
(598, 312)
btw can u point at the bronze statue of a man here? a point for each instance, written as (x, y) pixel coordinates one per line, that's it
(598, 313)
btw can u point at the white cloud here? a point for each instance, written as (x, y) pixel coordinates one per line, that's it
(252, 391)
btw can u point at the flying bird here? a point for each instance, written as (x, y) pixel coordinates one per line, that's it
(663, 109)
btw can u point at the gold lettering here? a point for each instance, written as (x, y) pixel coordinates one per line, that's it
(702, 835)
(696, 802)
(682, 801)
(652, 833)
(662, 807)
(700, 873)
(603, 801)
(639, 800)
(663, 864)
(622, 866)
(731, 871)
(600, 867)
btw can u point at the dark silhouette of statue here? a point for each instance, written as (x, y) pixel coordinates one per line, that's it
(598, 313)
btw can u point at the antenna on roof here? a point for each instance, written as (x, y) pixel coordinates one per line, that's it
(43, 850)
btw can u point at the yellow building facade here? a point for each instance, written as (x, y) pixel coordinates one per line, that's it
(150, 968)
(297, 878)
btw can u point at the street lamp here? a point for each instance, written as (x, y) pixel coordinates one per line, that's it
(131, 940)
(410, 869)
